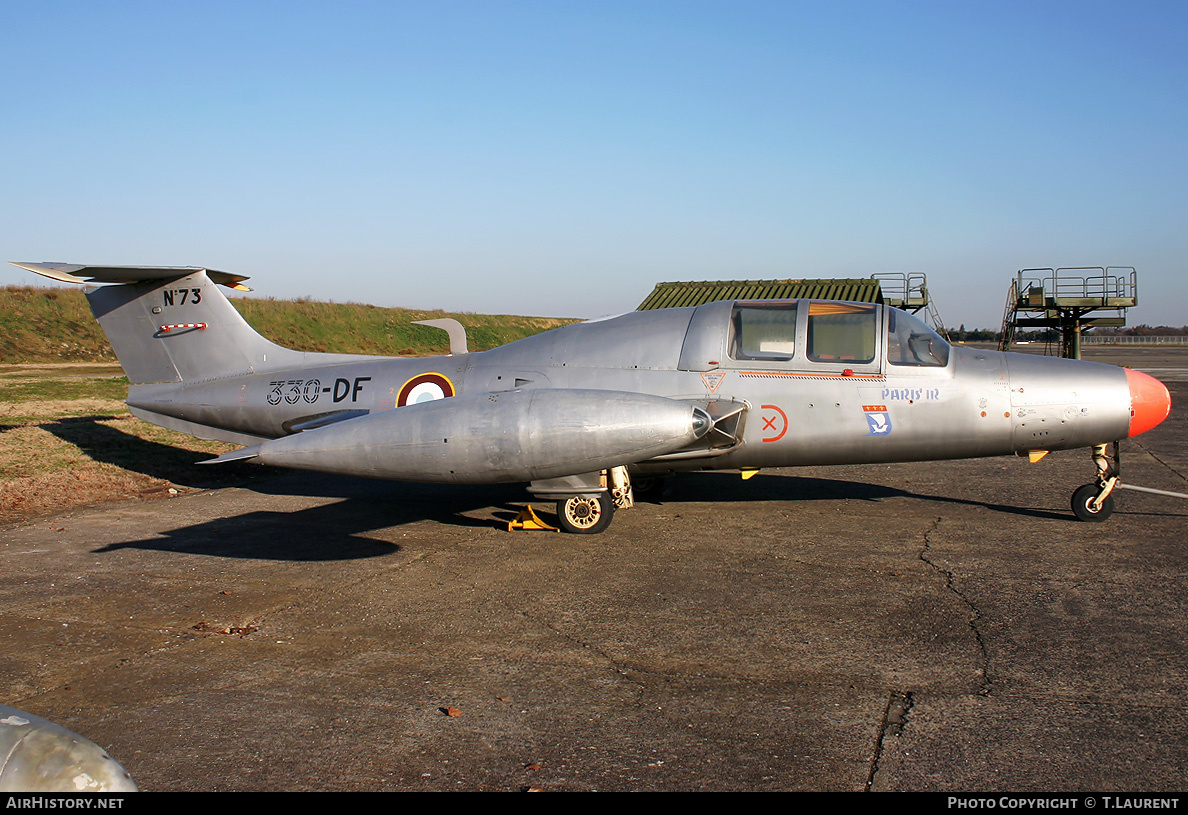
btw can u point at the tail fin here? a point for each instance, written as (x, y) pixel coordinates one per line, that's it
(172, 324)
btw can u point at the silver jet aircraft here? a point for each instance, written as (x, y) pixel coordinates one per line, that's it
(582, 411)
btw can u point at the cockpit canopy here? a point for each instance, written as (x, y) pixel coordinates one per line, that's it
(911, 342)
(815, 334)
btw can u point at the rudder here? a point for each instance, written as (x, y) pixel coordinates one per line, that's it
(171, 324)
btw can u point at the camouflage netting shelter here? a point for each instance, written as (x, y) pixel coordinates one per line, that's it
(672, 295)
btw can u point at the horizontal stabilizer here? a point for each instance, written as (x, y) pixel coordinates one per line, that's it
(74, 273)
(243, 454)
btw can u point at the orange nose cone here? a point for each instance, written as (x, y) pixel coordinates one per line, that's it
(1149, 401)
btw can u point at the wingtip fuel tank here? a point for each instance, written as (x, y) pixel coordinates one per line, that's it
(40, 756)
(507, 436)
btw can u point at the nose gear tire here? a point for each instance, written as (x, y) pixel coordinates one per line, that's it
(1082, 504)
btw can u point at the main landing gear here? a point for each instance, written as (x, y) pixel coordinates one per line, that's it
(1095, 502)
(652, 487)
(585, 514)
(591, 513)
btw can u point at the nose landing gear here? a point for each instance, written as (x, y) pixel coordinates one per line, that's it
(1095, 502)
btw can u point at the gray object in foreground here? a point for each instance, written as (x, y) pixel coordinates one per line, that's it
(579, 411)
(37, 755)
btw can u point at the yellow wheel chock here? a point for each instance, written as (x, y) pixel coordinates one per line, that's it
(527, 519)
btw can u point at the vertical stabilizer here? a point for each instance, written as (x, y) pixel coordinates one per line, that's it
(172, 324)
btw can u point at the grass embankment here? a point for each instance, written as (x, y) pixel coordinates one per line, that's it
(66, 437)
(55, 325)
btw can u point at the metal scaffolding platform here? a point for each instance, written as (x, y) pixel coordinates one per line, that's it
(909, 291)
(1064, 298)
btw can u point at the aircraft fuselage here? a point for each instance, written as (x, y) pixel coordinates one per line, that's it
(800, 411)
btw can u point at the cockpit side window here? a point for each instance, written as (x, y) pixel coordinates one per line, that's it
(911, 342)
(841, 332)
(764, 332)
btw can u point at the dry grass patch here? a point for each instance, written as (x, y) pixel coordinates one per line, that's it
(59, 451)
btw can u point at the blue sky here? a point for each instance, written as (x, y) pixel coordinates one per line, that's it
(560, 158)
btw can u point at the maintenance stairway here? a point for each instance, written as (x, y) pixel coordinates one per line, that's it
(1062, 299)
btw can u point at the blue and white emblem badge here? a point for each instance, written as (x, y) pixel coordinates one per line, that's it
(877, 419)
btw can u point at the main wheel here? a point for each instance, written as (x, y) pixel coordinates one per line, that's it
(585, 514)
(652, 487)
(1082, 504)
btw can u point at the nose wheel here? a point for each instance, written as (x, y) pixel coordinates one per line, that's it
(1087, 506)
(1095, 502)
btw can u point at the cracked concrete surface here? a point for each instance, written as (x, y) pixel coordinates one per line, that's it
(974, 614)
(925, 626)
(899, 705)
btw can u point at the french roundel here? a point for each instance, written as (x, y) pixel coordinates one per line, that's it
(424, 388)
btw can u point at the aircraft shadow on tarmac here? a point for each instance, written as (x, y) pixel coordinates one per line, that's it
(110, 445)
(328, 531)
(448, 503)
(725, 487)
(385, 504)
(339, 530)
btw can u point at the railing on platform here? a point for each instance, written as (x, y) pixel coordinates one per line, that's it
(1091, 339)
(903, 288)
(1108, 285)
